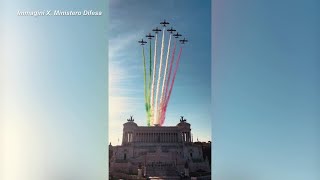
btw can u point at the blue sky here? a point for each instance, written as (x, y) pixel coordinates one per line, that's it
(132, 20)
(53, 107)
(266, 84)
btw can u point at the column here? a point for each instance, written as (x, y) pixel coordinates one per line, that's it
(131, 137)
(176, 137)
(123, 137)
(148, 137)
(165, 137)
(172, 137)
(128, 137)
(187, 136)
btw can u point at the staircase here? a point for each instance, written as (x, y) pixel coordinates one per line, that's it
(155, 171)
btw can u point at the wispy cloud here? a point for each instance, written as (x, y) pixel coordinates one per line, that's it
(119, 45)
(124, 98)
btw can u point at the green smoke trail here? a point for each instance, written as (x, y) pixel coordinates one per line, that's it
(145, 85)
(149, 88)
(150, 66)
(153, 80)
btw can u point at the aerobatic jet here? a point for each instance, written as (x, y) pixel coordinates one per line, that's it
(164, 23)
(156, 30)
(171, 30)
(183, 41)
(177, 35)
(149, 36)
(142, 42)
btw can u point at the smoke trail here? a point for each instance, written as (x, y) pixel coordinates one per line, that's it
(159, 77)
(150, 65)
(172, 83)
(153, 79)
(149, 86)
(170, 70)
(167, 84)
(162, 98)
(165, 70)
(145, 83)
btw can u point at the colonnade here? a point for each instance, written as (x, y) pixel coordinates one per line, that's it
(166, 137)
(156, 137)
(186, 137)
(127, 137)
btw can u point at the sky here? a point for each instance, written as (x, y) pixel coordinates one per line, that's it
(266, 90)
(264, 79)
(53, 93)
(191, 96)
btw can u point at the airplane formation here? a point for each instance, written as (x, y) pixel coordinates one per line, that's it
(164, 23)
(156, 95)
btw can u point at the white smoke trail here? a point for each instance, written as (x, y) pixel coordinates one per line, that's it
(159, 77)
(153, 78)
(165, 70)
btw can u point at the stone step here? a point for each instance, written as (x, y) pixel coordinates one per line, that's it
(164, 177)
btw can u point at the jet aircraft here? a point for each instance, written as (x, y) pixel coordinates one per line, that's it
(171, 30)
(156, 30)
(183, 41)
(142, 42)
(164, 23)
(177, 35)
(149, 36)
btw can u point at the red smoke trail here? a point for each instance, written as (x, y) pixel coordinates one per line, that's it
(171, 65)
(164, 108)
(163, 104)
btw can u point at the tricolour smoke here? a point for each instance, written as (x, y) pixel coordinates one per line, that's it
(149, 87)
(153, 80)
(156, 112)
(165, 70)
(164, 109)
(170, 70)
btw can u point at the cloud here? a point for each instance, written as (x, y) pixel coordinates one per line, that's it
(118, 45)
(124, 99)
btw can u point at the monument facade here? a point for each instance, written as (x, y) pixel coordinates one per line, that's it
(159, 150)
